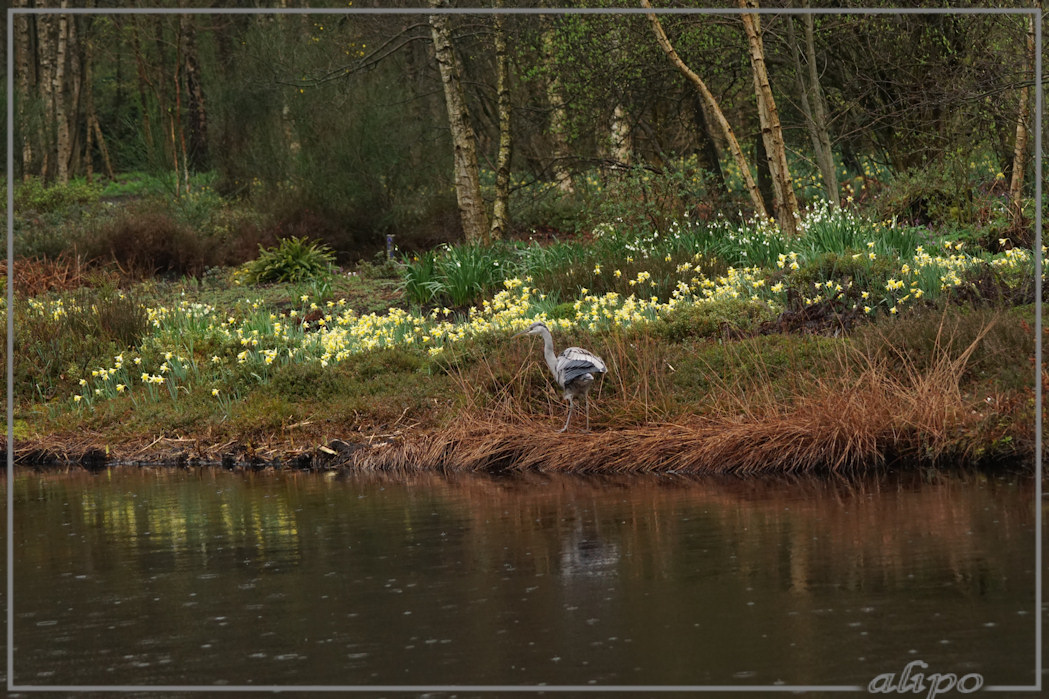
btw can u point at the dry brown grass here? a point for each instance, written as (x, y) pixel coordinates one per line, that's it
(37, 276)
(875, 411)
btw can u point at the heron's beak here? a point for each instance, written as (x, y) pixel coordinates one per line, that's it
(520, 334)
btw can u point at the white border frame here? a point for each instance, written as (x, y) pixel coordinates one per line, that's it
(1036, 15)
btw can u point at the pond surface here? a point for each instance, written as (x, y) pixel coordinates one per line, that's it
(174, 577)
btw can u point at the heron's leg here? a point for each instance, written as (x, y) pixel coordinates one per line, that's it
(588, 413)
(571, 404)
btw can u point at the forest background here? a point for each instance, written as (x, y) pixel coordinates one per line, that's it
(439, 179)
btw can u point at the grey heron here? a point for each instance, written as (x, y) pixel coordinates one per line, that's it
(573, 369)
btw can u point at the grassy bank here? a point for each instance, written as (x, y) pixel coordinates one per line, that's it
(860, 344)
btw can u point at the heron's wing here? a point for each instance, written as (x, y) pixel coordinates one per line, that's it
(575, 361)
(578, 354)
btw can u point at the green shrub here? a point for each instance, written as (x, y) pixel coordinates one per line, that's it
(712, 318)
(467, 272)
(309, 380)
(386, 361)
(856, 267)
(563, 310)
(544, 205)
(33, 195)
(642, 199)
(946, 193)
(294, 259)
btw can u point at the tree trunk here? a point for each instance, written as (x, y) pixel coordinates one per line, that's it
(287, 120)
(102, 145)
(467, 174)
(819, 102)
(715, 110)
(765, 185)
(60, 90)
(1020, 148)
(93, 132)
(143, 83)
(500, 209)
(558, 118)
(783, 189)
(197, 111)
(26, 80)
(45, 83)
(709, 157)
(78, 87)
(622, 145)
(813, 108)
(178, 134)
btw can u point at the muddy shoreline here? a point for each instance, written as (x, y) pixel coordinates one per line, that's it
(703, 447)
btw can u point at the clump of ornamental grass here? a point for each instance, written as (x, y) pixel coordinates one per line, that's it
(455, 275)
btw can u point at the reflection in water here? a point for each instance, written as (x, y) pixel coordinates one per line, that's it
(151, 577)
(585, 553)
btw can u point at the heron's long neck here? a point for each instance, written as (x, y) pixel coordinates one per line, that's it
(548, 352)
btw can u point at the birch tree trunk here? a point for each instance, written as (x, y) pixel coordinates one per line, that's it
(178, 134)
(500, 209)
(715, 111)
(26, 81)
(467, 174)
(60, 89)
(783, 189)
(77, 88)
(622, 146)
(45, 83)
(1016, 183)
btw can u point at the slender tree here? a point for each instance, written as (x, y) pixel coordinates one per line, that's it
(1020, 146)
(715, 110)
(558, 115)
(467, 174)
(772, 133)
(813, 105)
(26, 71)
(196, 104)
(46, 84)
(500, 209)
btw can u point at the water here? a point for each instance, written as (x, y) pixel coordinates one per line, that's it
(205, 577)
